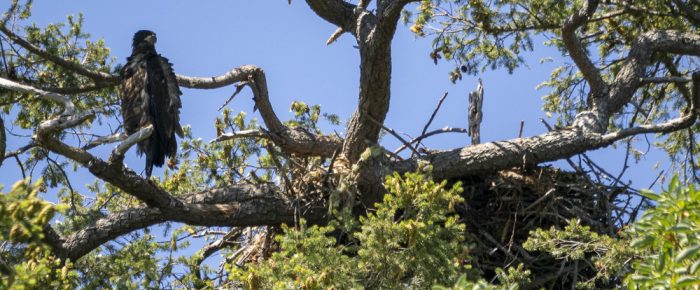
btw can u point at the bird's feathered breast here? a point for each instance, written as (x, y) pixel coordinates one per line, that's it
(151, 96)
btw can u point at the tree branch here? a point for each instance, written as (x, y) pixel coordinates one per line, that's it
(96, 76)
(237, 205)
(68, 107)
(630, 76)
(576, 50)
(103, 230)
(546, 147)
(120, 150)
(337, 12)
(686, 9)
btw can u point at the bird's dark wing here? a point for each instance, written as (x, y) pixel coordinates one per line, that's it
(134, 98)
(164, 106)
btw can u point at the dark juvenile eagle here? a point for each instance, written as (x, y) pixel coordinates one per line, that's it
(150, 96)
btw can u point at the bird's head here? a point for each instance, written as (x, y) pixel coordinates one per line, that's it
(144, 38)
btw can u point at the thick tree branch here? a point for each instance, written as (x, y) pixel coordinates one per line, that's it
(632, 72)
(337, 12)
(290, 140)
(578, 53)
(550, 146)
(393, 8)
(238, 205)
(103, 230)
(686, 9)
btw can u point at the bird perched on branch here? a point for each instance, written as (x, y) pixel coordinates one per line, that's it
(150, 95)
(476, 99)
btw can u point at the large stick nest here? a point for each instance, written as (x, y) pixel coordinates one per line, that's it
(501, 209)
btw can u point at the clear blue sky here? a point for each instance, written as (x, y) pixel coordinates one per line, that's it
(207, 38)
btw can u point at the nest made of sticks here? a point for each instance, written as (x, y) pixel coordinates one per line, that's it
(501, 209)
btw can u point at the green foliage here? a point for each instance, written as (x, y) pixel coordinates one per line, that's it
(414, 233)
(660, 251)
(412, 240)
(513, 279)
(26, 261)
(136, 265)
(578, 242)
(308, 259)
(667, 240)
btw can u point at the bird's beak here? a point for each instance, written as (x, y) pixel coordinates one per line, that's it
(151, 39)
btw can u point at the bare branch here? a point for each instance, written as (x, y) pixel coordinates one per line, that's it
(630, 76)
(666, 127)
(670, 79)
(430, 120)
(336, 34)
(253, 133)
(420, 138)
(290, 140)
(217, 245)
(120, 150)
(68, 106)
(237, 205)
(105, 140)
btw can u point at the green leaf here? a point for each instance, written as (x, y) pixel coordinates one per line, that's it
(650, 195)
(643, 241)
(687, 281)
(687, 252)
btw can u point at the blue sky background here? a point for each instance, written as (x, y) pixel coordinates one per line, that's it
(207, 38)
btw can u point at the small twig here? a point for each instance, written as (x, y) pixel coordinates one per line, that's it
(65, 178)
(21, 167)
(336, 34)
(520, 132)
(431, 133)
(239, 88)
(536, 202)
(281, 171)
(393, 133)
(432, 116)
